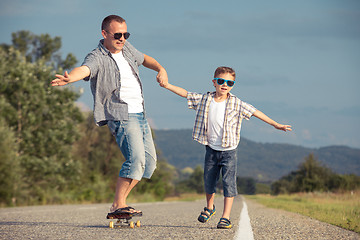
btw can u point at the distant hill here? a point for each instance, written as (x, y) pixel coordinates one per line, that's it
(262, 161)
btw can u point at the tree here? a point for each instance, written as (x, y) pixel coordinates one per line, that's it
(10, 170)
(101, 160)
(246, 185)
(41, 47)
(195, 182)
(160, 185)
(42, 118)
(313, 176)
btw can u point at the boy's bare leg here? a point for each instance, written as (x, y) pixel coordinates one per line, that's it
(210, 200)
(228, 202)
(123, 188)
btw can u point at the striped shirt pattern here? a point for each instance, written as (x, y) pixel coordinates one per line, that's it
(236, 110)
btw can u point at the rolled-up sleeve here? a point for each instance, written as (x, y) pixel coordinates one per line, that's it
(247, 110)
(193, 100)
(92, 63)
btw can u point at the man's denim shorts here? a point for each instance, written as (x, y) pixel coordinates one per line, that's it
(134, 138)
(224, 162)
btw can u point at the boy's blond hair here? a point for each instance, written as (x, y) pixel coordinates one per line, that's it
(221, 70)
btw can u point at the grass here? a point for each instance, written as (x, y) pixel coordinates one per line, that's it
(186, 197)
(340, 209)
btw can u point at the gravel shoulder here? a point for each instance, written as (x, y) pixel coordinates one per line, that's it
(268, 223)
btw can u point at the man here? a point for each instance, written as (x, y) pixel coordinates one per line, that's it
(112, 69)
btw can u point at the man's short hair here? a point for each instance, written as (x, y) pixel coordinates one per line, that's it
(221, 70)
(106, 22)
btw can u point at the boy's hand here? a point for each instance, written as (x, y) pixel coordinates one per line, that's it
(165, 85)
(283, 127)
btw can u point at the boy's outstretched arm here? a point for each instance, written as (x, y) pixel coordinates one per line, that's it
(260, 115)
(175, 89)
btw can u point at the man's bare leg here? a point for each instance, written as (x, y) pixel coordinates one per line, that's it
(123, 188)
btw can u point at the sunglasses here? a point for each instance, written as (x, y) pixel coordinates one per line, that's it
(221, 81)
(118, 36)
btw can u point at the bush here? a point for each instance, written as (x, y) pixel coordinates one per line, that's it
(312, 176)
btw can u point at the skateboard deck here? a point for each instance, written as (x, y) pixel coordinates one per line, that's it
(123, 220)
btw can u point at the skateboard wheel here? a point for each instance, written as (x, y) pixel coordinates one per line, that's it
(132, 225)
(111, 224)
(138, 224)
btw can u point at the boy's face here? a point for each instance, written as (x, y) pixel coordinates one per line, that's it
(223, 89)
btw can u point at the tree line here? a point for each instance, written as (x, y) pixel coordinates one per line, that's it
(312, 176)
(51, 152)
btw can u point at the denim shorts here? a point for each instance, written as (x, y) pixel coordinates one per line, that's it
(135, 141)
(224, 162)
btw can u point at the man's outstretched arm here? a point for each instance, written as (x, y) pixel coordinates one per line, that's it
(75, 75)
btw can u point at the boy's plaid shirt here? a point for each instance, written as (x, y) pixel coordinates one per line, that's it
(235, 111)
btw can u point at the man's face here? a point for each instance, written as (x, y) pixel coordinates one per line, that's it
(112, 44)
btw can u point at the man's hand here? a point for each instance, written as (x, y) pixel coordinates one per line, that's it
(61, 80)
(162, 77)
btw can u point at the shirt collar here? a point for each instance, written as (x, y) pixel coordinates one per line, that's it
(212, 94)
(102, 48)
(105, 51)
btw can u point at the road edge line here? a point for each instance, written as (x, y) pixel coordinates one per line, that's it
(244, 231)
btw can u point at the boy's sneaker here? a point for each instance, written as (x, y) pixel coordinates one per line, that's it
(224, 223)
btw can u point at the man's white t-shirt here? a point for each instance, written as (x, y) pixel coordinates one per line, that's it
(216, 117)
(130, 91)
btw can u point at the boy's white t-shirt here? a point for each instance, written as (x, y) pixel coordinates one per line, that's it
(130, 91)
(216, 118)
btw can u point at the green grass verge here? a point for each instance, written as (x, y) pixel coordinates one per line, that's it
(340, 209)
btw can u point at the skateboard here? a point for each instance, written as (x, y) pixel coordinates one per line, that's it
(123, 220)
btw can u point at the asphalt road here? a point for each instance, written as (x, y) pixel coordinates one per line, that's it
(163, 220)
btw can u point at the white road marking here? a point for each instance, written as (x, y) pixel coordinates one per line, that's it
(244, 231)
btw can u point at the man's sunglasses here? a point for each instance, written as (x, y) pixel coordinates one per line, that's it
(221, 81)
(118, 36)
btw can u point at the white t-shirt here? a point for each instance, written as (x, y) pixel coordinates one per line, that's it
(130, 91)
(215, 131)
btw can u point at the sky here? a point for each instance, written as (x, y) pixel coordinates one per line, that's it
(297, 61)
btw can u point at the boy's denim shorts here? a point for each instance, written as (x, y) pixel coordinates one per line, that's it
(224, 162)
(134, 138)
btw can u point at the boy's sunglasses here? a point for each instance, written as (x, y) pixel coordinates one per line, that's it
(119, 35)
(221, 81)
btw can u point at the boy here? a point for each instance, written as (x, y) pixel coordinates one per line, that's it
(217, 126)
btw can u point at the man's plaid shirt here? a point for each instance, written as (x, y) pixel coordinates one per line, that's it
(236, 110)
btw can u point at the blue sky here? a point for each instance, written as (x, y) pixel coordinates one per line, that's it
(297, 61)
